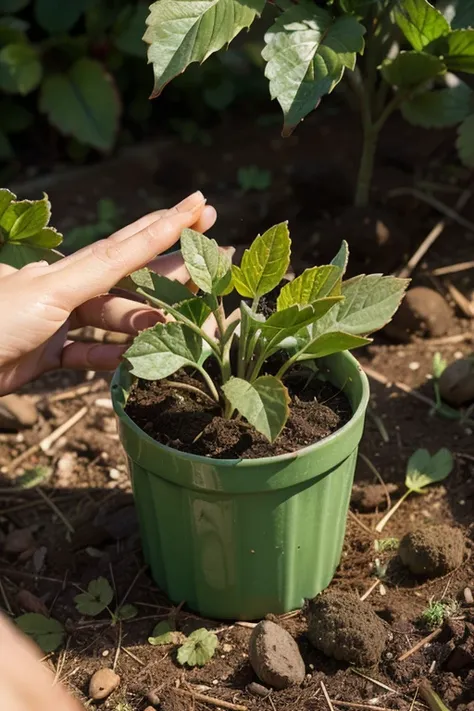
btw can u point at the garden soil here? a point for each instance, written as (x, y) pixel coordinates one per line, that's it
(82, 519)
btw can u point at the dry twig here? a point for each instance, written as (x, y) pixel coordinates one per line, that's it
(212, 701)
(326, 696)
(453, 268)
(419, 645)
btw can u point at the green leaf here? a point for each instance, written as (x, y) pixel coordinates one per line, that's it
(20, 68)
(440, 108)
(424, 469)
(342, 257)
(168, 290)
(439, 365)
(409, 69)
(465, 141)
(196, 310)
(126, 612)
(370, 302)
(306, 52)
(20, 254)
(263, 403)
(47, 238)
(312, 284)
(164, 633)
(184, 31)
(264, 264)
(198, 649)
(334, 342)
(6, 198)
(458, 50)
(54, 16)
(31, 220)
(83, 103)
(420, 22)
(46, 632)
(97, 598)
(208, 266)
(285, 323)
(33, 477)
(129, 38)
(162, 350)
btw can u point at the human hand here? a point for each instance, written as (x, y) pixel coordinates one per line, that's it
(25, 683)
(41, 303)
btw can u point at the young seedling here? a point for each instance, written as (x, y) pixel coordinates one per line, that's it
(422, 470)
(165, 633)
(98, 598)
(253, 178)
(198, 649)
(46, 632)
(317, 314)
(384, 545)
(437, 612)
(25, 233)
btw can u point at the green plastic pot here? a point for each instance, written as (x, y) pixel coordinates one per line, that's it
(238, 539)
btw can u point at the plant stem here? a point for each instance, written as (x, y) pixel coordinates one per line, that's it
(255, 301)
(209, 383)
(183, 319)
(382, 523)
(366, 167)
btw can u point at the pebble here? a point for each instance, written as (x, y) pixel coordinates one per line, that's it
(468, 596)
(18, 541)
(275, 657)
(114, 474)
(16, 413)
(149, 708)
(258, 689)
(414, 365)
(31, 603)
(456, 384)
(103, 683)
(153, 698)
(104, 402)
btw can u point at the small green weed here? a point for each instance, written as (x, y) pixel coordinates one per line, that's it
(437, 612)
(98, 597)
(384, 545)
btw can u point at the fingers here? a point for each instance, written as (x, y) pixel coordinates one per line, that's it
(91, 356)
(97, 268)
(113, 313)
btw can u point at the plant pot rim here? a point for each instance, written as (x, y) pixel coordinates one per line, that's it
(119, 401)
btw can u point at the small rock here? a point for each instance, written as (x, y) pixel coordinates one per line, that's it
(16, 412)
(227, 648)
(149, 708)
(468, 596)
(456, 384)
(30, 603)
(343, 627)
(114, 474)
(433, 550)
(258, 690)
(153, 698)
(275, 656)
(103, 683)
(423, 312)
(18, 541)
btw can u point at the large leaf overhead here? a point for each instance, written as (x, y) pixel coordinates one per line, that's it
(410, 69)
(306, 52)
(420, 22)
(162, 350)
(184, 31)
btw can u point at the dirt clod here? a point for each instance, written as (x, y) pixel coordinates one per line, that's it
(343, 627)
(432, 551)
(423, 312)
(456, 384)
(103, 683)
(371, 496)
(18, 541)
(275, 656)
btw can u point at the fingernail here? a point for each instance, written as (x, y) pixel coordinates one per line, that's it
(191, 202)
